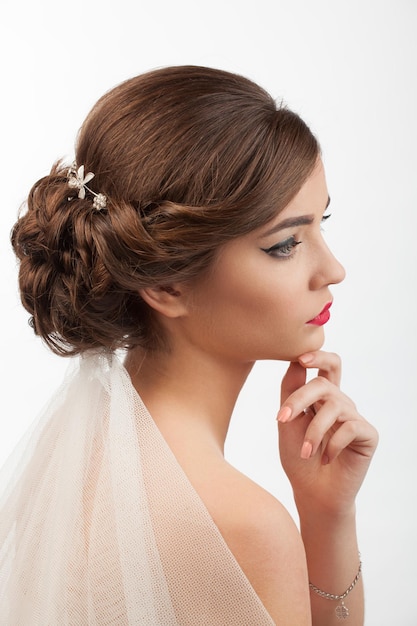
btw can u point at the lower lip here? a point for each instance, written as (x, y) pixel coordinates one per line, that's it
(323, 317)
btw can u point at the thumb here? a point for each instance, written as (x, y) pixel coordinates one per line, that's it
(294, 378)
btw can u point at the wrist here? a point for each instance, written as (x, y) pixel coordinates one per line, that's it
(341, 610)
(328, 535)
(334, 569)
(330, 512)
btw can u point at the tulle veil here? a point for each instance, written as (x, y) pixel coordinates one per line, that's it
(99, 524)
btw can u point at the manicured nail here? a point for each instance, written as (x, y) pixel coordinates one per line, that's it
(306, 450)
(284, 414)
(306, 358)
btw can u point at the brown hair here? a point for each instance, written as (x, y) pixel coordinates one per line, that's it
(189, 158)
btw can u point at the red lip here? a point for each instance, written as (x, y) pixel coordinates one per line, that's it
(322, 317)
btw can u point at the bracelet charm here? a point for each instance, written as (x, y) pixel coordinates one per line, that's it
(342, 611)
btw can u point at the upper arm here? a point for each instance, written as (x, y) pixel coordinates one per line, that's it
(268, 547)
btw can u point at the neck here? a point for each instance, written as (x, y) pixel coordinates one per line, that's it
(188, 393)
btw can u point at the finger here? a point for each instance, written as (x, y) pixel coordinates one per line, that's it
(294, 434)
(340, 440)
(295, 377)
(313, 394)
(329, 364)
(327, 420)
(358, 434)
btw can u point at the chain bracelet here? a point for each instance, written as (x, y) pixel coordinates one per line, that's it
(332, 596)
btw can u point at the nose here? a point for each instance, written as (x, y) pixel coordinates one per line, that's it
(328, 270)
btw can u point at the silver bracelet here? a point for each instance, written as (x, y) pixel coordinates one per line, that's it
(341, 610)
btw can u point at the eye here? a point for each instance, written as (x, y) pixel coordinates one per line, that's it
(324, 219)
(284, 249)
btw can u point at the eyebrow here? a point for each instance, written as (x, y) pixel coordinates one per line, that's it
(291, 222)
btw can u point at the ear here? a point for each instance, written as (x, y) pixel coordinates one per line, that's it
(170, 300)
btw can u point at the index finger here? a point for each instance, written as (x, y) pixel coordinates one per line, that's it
(329, 365)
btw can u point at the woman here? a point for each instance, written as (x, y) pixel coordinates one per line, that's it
(187, 231)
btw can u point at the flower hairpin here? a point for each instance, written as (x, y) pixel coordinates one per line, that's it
(77, 180)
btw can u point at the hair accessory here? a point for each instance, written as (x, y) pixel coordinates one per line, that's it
(77, 180)
(342, 612)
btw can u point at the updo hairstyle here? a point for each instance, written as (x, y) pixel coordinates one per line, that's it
(188, 158)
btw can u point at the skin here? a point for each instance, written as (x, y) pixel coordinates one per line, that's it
(256, 303)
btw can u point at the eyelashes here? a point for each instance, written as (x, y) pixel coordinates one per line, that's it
(285, 249)
(324, 219)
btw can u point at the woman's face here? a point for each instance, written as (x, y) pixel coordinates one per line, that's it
(263, 296)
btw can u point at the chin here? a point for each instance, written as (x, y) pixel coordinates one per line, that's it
(315, 342)
(302, 348)
(291, 351)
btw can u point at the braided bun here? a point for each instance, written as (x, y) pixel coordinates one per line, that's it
(187, 158)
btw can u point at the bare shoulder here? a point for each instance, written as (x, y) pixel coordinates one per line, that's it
(264, 540)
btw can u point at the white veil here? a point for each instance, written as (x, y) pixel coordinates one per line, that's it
(99, 524)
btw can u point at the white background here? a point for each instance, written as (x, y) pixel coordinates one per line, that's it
(350, 69)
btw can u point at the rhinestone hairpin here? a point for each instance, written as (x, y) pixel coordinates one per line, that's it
(77, 180)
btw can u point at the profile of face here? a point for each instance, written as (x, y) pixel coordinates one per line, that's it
(182, 218)
(263, 295)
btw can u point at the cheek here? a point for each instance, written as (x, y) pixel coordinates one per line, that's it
(265, 295)
(250, 301)
(253, 320)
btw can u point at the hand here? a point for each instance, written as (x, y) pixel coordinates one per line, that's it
(325, 445)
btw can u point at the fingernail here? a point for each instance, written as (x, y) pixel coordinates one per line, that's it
(306, 450)
(284, 414)
(306, 358)
(325, 459)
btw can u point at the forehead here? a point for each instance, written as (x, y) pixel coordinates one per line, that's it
(308, 204)
(313, 195)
